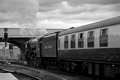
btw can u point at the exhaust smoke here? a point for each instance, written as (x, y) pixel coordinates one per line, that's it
(22, 13)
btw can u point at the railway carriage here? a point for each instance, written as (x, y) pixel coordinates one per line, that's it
(92, 49)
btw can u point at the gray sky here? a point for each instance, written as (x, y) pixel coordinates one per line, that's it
(55, 13)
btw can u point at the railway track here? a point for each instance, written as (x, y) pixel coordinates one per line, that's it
(42, 74)
(26, 71)
(38, 74)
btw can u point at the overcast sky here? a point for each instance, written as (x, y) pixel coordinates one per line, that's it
(55, 13)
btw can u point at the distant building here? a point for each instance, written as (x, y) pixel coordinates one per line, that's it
(11, 51)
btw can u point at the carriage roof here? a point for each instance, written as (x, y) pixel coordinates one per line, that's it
(100, 24)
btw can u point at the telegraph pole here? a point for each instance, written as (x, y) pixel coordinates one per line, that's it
(5, 41)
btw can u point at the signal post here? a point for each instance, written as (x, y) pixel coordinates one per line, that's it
(5, 41)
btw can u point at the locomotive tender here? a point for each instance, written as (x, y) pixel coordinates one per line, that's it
(89, 49)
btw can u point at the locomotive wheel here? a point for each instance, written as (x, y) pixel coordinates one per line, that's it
(60, 65)
(37, 64)
(73, 67)
(34, 63)
(67, 66)
(31, 63)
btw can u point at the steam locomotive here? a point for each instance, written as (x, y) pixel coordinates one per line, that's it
(89, 49)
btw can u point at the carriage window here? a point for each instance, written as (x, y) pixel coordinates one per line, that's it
(90, 34)
(90, 39)
(104, 37)
(66, 42)
(80, 40)
(73, 41)
(103, 32)
(80, 36)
